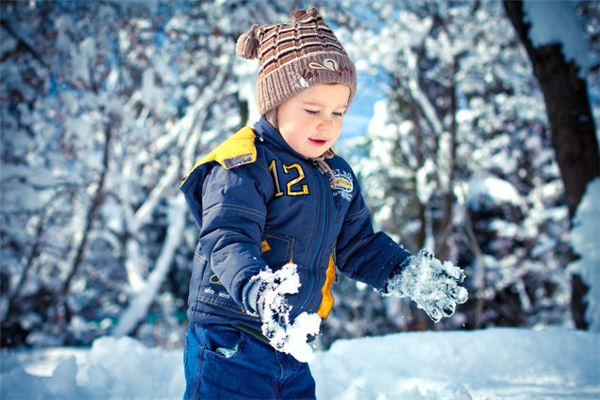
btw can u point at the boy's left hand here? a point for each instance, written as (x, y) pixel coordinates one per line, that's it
(432, 285)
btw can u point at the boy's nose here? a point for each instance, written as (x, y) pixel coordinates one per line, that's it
(325, 125)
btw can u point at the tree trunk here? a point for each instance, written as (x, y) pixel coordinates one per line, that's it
(418, 145)
(446, 225)
(571, 124)
(138, 308)
(97, 200)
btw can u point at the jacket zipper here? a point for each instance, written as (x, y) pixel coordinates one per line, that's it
(323, 219)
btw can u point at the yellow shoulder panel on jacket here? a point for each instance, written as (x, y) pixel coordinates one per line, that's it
(238, 149)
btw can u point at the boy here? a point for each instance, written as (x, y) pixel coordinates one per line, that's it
(277, 209)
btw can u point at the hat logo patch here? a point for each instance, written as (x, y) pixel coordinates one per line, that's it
(328, 65)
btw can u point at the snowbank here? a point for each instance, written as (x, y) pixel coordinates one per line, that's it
(436, 365)
(463, 365)
(585, 240)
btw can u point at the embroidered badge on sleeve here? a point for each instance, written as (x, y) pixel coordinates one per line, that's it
(344, 185)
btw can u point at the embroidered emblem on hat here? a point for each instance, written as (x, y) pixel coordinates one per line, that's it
(303, 82)
(328, 65)
(344, 185)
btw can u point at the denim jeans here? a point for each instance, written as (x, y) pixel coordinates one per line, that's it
(221, 362)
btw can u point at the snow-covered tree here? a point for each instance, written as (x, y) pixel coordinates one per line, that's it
(106, 106)
(554, 38)
(457, 158)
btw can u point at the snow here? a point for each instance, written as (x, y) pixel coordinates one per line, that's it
(430, 284)
(482, 364)
(143, 299)
(425, 185)
(297, 334)
(585, 240)
(485, 189)
(285, 335)
(493, 363)
(556, 22)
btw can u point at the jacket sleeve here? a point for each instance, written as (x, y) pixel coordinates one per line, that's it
(363, 254)
(233, 219)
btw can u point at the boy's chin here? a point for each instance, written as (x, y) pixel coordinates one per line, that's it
(313, 154)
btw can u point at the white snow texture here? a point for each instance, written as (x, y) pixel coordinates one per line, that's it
(556, 22)
(285, 335)
(431, 284)
(585, 240)
(487, 364)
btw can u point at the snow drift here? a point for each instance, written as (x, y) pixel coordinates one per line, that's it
(495, 363)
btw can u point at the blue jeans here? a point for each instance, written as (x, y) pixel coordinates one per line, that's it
(221, 362)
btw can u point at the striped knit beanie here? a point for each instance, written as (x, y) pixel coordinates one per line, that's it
(296, 56)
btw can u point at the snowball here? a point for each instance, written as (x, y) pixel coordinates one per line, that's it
(298, 332)
(284, 335)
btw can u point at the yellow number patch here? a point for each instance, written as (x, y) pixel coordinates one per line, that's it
(297, 180)
(294, 181)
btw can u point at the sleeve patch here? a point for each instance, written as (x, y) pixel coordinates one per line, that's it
(236, 161)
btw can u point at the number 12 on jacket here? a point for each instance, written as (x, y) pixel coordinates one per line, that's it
(289, 169)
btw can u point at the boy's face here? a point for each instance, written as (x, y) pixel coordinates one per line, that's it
(311, 121)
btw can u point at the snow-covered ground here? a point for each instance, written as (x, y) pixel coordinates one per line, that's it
(488, 364)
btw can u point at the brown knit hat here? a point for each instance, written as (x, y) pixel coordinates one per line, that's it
(296, 56)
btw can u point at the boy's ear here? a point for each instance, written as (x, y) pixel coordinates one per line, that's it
(271, 116)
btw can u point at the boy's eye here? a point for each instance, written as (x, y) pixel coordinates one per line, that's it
(315, 112)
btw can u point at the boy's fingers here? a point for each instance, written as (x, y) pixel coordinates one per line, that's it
(435, 314)
(453, 272)
(461, 295)
(447, 307)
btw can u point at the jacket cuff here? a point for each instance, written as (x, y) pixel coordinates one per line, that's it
(250, 295)
(395, 266)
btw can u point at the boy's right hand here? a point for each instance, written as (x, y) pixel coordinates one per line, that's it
(265, 297)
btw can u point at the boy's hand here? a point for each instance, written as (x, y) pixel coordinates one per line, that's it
(432, 285)
(266, 297)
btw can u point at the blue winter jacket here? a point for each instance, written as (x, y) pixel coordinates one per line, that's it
(259, 203)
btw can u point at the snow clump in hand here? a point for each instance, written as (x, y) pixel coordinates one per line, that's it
(285, 335)
(430, 284)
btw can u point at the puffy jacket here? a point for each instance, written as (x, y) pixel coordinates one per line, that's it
(259, 203)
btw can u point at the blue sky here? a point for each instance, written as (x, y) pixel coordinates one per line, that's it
(357, 119)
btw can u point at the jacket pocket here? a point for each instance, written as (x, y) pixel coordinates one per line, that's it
(206, 287)
(277, 249)
(221, 341)
(198, 270)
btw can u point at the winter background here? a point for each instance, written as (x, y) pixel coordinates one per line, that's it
(105, 105)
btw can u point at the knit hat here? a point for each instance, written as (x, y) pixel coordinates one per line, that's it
(296, 56)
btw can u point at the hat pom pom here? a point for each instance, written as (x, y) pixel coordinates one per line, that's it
(304, 15)
(247, 44)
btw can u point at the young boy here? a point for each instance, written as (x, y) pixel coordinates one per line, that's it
(276, 195)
